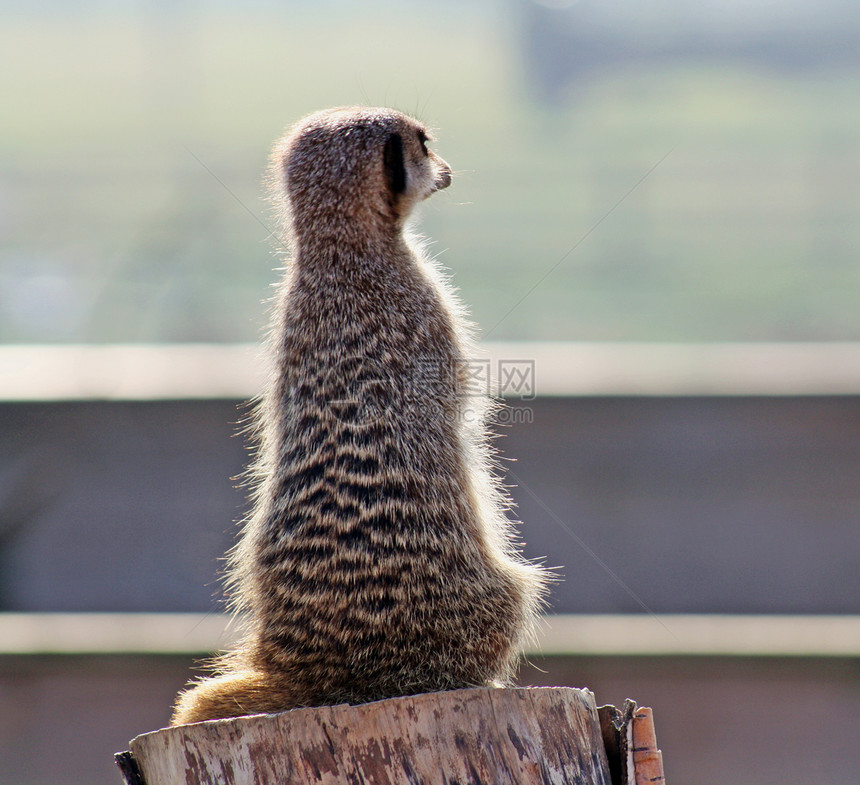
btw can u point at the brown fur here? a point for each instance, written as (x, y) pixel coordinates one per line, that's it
(378, 560)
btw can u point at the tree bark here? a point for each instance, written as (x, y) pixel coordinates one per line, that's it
(536, 736)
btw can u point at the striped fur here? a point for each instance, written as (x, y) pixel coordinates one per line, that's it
(377, 560)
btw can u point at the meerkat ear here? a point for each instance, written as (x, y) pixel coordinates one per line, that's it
(395, 170)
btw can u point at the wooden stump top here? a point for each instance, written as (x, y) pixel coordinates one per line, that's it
(542, 735)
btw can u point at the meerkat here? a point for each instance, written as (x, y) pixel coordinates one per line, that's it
(378, 560)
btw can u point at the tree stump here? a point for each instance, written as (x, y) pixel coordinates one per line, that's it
(480, 736)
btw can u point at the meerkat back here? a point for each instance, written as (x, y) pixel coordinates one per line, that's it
(377, 560)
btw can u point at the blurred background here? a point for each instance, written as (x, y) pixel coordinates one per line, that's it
(657, 204)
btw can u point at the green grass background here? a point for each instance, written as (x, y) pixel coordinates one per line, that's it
(132, 147)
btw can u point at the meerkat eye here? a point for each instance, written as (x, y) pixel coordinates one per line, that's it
(422, 140)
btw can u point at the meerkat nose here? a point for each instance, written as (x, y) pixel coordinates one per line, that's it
(443, 178)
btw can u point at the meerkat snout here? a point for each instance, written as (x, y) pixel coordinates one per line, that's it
(412, 170)
(443, 176)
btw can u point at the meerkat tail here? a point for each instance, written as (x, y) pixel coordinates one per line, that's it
(230, 695)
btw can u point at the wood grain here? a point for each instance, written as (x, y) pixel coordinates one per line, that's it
(545, 736)
(647, 759)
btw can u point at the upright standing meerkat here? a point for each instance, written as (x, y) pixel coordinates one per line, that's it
(377, 560)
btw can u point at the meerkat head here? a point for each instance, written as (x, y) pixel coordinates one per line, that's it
(355, 170)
